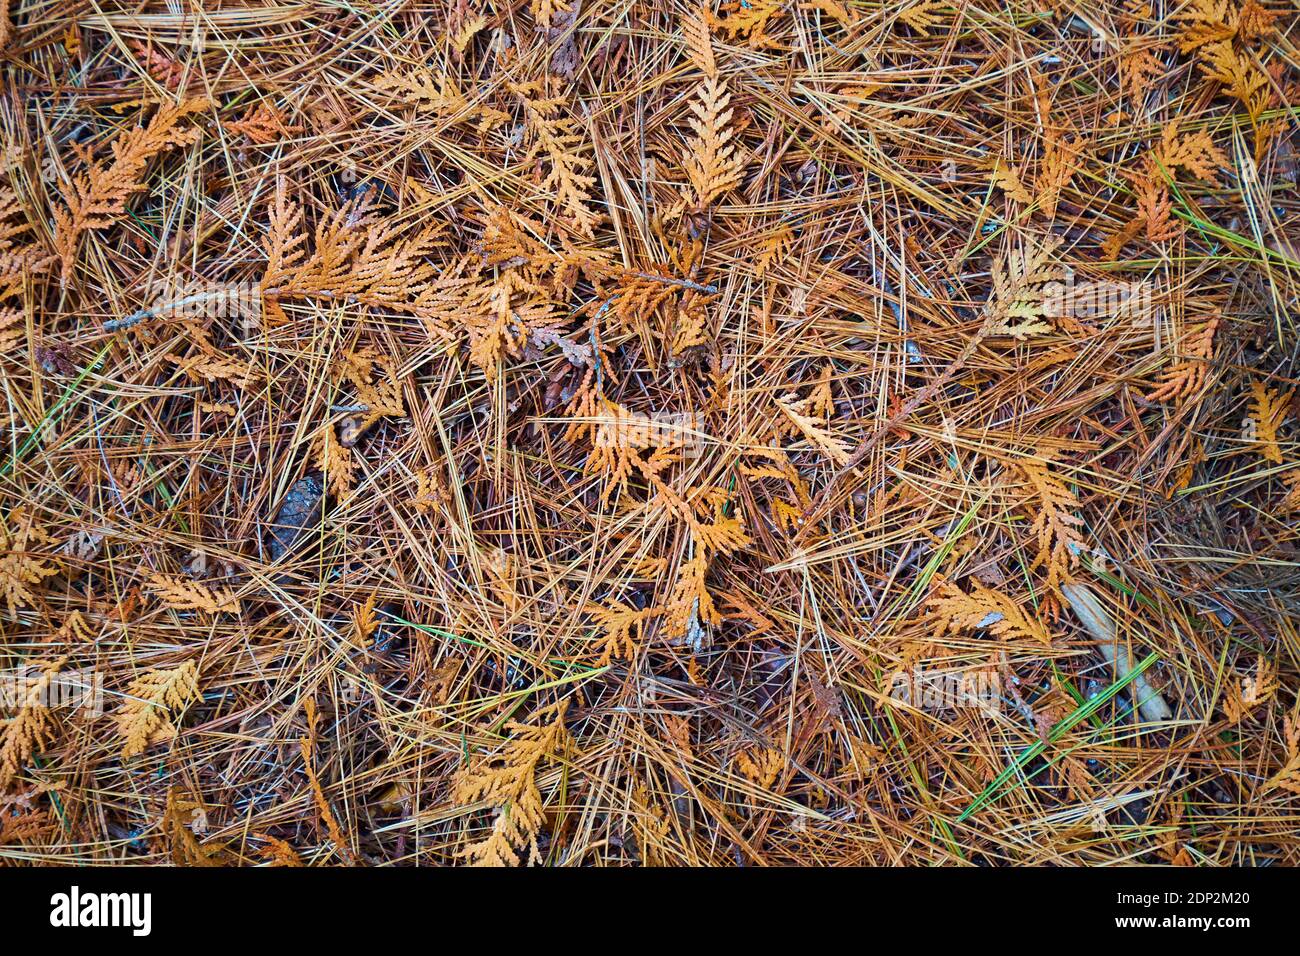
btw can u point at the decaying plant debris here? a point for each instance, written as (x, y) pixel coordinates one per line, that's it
(594, 433)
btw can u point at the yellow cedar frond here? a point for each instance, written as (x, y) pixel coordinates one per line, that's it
(98, 196)
(1209, 24)
(1254, 22)
(746, 612)
(364, 622)
(787, 516)
(1194, 152)
(12, 330)
(507, 239)
(781, 468)
(209, 363)
(307, 745)
(1186, 377)
(623, 627)
(502, 317)
(812, 429)
(557, 136)
(507, 781)
(616, 461)
(465, 30)
(1290, 503)
(832, 7)
(1242, 697)
(29, 729)
(74, 629)
(184, 595)
(354, 257)
(1138, 68)
(982, 608)
(439, 94)
(711, 164)
(1205, 22)
(650, 825)
(692, 323)
(184, 821)
(381, 397)
(503, 574)
(165, 69)
(923, 16)
(544, 11)
(1059, 162)
(1055, 524)
(774, 248)
(22, 566)
(1009, 178)
(677, 734)
(821, 400)
(1114, 244)
(1262, 685)
(1079, 780)
(430, 491)
(1268, 410)
(278, 852)
(699, 44)
(762, 765)
(1155, 210)
(335, 462)
(691, 611)
(285, 241)
(1020, 289)
(24, 734)
(212, 367)
(263, 124)
(17, 262)
(725, 535)
(1220, 61)
(1287, 778)
(444, 305)
(747, 20)
(151, 702)
(422, 89)
(639, 296)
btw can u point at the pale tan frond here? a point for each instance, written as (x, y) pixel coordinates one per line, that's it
(507, 781)
(184, 595)
(153, 701)
(99, 195)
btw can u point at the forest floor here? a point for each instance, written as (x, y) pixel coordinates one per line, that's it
(605, 432)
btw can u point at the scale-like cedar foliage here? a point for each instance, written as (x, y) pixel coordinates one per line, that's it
(152, 701)
(98, 196)
(550, 427)
(507, 781)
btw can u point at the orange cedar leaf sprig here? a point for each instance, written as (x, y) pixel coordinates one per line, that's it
(507, 781)
(711, 164)
(1269, 408)
(354, 256)
(151, 700)
(1056, 525)
(99, 195)
(953, 609)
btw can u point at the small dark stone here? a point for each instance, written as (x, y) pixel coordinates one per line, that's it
(300, 509)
